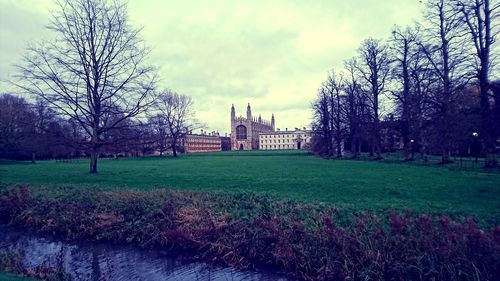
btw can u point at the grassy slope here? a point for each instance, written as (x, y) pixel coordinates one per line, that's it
(360, 185)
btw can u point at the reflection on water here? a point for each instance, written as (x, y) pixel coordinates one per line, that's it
(98, 261)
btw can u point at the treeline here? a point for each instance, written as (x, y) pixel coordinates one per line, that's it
(427, 89)
(33, 130)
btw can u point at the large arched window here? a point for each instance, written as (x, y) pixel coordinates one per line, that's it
(241, 132)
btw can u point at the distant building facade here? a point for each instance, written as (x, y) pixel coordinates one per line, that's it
(283, 140)
(245, 130)
(194, 143)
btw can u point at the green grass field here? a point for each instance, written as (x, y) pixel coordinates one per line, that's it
(357, 185)
(10, 277)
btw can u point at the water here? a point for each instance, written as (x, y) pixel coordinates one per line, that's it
(101, 261)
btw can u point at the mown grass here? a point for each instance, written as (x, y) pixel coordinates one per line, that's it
(11, 277)
(356, 185)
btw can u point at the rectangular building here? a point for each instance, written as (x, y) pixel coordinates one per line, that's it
(193, 143)
(285, 140)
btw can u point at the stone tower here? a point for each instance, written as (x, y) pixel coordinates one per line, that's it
(272, 122)
(245, 130)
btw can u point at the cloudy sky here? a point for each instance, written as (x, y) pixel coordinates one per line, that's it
(273, 54)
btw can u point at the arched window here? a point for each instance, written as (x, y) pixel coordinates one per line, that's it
(241, 132)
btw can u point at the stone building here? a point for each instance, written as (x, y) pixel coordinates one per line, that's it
(296, 139)
(245, 130)
(225, 143)
(203, 142)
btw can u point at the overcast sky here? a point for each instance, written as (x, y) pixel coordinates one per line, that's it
(273, 54)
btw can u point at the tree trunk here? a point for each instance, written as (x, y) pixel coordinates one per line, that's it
(488, 128)
(354, 149)
(408, 152)
(94, 152)
(33, 157)
(377, 142)
(93, 161)
(174, 147)
(445, 157)
(339, 149)
(405, 130)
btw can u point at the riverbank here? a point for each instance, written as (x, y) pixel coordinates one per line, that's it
(245, 230)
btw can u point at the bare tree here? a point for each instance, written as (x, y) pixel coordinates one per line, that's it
(478, 17)
(354, 108)
(335, 88)
(43, 115)
(422, 80)
(93, 71)
(161, 135)
(175, 113)
(322, 141)
(126, 138)
(405, 50)
(445, 52)
(16, 126)
(374, 69)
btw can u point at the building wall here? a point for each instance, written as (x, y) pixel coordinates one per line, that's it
(225, 143)
(298, 139)
(202, 143)
(254, 126)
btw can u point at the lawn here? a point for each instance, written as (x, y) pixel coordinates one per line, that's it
(10, 277)
(357, 185)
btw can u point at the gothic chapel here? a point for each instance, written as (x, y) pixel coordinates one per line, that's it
(245, 130)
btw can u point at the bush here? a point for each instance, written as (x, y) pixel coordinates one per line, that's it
(245, 230)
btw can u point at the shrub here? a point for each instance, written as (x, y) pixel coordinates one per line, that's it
(245, 230)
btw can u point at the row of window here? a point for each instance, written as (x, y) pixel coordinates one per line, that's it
(278, 141)
(203, 149)
(281, 136)
(279, 146)
(203, 141)
(203, 145)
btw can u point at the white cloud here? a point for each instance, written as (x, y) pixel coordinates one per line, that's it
(273, 54)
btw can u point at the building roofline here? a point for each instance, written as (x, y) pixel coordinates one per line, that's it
(200, 135)
(285, 132)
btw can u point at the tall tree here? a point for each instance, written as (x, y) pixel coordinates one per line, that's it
(404, 50)
(422, 79)
(478, 16)
(335, 86)
(93, 71)
(322, 141)
(354, 108)
(444, 49)
(51, 136)
(16, 127)
(374, 68)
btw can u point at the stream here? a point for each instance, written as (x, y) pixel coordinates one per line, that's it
(105, 261)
